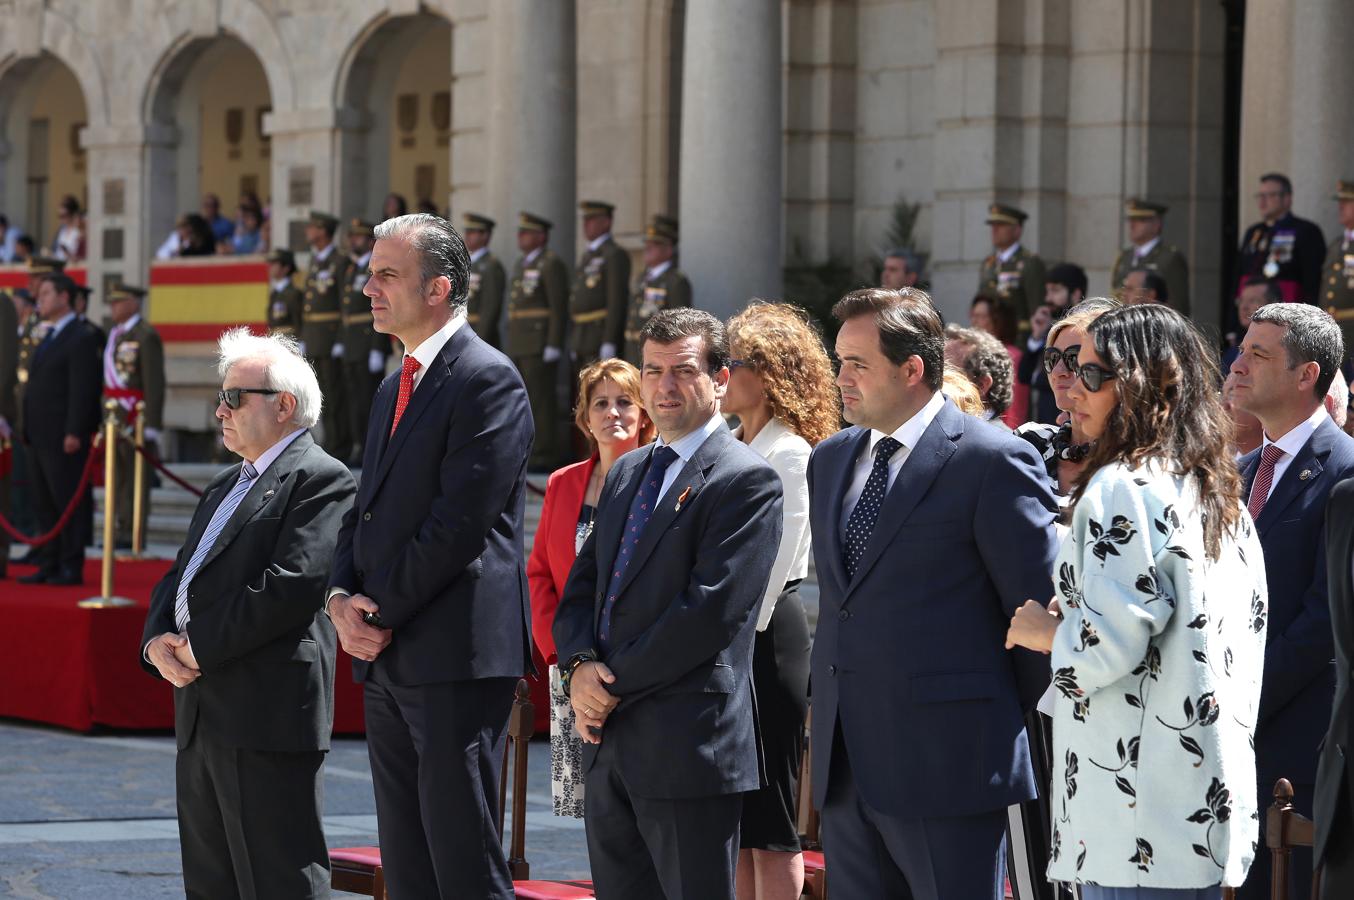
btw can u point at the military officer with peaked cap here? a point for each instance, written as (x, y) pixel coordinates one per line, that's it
(1146, 250)
(321, 321)
(600, 298)
(364, 348)
(538, 316)
(284, 297)
(488, 279)
(1011, 273)
(133, 370)
(663, 285)
(1337, 291)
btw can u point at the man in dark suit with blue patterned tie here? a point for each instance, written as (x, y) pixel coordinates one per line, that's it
(655, 631)
(929, 530)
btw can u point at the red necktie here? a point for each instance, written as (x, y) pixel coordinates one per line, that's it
(407, 370)
(1264, 479)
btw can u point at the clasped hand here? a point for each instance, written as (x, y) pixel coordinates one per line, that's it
(358, 639)
(590, 699)
(173, 658)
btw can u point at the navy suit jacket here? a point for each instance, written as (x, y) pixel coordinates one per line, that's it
(1334, 794)
(65, 383)
(684, 619)
(909, 660)
(1299, 680)
(435, 536)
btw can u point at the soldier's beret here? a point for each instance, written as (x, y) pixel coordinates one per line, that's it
(44, 265)
(1344, 190)
(596, 208)
(662, 228)
(1137, 208)
(323, 220)
(532, 222)
(478, 222)
(1001, 214)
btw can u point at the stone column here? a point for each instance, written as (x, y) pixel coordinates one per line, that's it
(1321, 125)
(306, 173)
(122, 232)
(731, 182)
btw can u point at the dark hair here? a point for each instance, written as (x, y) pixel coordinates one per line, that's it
(1153, 282)
(1311, 336)
(4, 221)
(1004, 325)
(202, 241)
(1280, 179)
(1169, 410)
(1070, 276)
(440, 251)
(908, 326)
(669, 325)
(70, 204)
(984, 355)
(401, 205)
(63, 284)
(1273, 293)
(26, 241)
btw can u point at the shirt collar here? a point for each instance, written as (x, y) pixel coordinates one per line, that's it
(533, 256)
(1299, 434)
(657, 270)
(127, 325)
(1147, 247)
(61, 323)
(282, 284)
(479, 254)
(687, 445)
(432, 345)
(594, 246)
(361, 262)
(267, 457)
(321, 255)
(1007, 254)
(910, 432)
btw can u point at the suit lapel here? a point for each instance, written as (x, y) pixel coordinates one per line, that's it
(1303, 471)
(918, 473)
(840, 473)
(258, 496)
(378, 432)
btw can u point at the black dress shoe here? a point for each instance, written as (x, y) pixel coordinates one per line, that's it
(38, 577)
(65, 578)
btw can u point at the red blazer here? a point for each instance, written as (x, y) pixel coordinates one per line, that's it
(552, 550)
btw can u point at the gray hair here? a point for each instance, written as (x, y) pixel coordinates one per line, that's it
(285, 369)
(441, 252)
(1311, 336)
(985, 355)
(1337, 399)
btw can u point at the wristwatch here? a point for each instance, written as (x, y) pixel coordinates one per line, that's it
(566, 671)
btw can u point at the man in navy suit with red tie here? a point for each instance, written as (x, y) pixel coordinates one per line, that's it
(1288, 359)
(431, 555)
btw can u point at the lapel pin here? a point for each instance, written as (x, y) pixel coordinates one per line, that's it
(682, 499)
(1304, 474)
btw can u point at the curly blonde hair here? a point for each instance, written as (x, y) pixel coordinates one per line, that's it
(779, 342)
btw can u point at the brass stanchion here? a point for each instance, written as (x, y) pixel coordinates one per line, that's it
(138, 484)
(110, 437)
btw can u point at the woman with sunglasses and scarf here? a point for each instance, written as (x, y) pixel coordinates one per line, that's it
(1158, 652)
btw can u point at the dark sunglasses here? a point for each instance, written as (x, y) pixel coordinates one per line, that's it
(1093, 376)
(1068, 357)
(231, 396)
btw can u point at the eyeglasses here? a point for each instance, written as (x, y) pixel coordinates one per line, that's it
(1068, 357)
(231, 396)
(1093, 376)
(739, 364)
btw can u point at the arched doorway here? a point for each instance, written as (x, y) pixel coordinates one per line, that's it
(42, 111)
(205, 112)
(397, 91)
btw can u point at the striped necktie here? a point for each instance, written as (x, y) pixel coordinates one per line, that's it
(1264, 479)
(248, 474)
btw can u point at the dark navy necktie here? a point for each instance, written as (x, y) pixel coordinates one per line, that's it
(641, 509)
(860, 525)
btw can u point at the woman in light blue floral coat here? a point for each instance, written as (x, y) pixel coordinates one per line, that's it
(1158, 654)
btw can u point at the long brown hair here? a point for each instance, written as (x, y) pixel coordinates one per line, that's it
(1169, 410)
(778, 343)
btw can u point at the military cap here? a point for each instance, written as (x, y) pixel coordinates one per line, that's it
(23, 294)
(281, 255)
(662, 228)
(359, 226)
(478, 222)
(1344, 190)
(1001, 214)
(1137, 208)
(324, 220)
(45, 265)
(596, 208)
(126, 292)
(532, 222)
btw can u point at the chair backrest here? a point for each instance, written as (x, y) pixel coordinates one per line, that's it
(521, 726)
(806, 817)
(1284, 830)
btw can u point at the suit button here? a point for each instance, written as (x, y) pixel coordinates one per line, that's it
(366, 517)
(832, 670)
(843, 615)
(361, 575)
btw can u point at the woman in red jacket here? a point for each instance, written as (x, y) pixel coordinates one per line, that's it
(610, 414)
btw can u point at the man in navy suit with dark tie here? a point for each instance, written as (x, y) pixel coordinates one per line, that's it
(1288, 359)
(929, 529)
(655, 631)
(431, 553)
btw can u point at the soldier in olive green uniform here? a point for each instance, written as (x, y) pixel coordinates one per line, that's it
(662, 287)
(488, 280)
(364, 348)
(1012, 273)
(321, 319)
(9, 361)
(600, 299)
(1338, 290)
(30, 331)
(1146, 250)
(538, 311)
(133, 370)
(284, 298)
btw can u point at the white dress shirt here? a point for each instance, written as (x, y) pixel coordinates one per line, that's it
(1140, 251)
(1005, 255)
(320, 256)
(788, 454)
(432, 346)
(282, 283)
(908, 435)
(478, 255)
(1296, 438)
(685, 447)
(598, 242)
(532, 256)
(654, 271)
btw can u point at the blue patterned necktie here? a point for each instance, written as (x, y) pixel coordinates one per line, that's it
(641, 509)
(860, 525)
(204, 546)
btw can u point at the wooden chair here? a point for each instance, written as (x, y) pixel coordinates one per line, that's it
(1284, 830)
(815, 872)
(358, 869)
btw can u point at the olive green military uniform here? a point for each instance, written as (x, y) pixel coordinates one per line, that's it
(1018, 280)
(538, 311)
(598, 304)
(139, 359)
(284, 306)
(662, 287)
(364, 354)
(488, 282)
(9, 368)
(1163, 259)
(1337, 276)
(321, 319)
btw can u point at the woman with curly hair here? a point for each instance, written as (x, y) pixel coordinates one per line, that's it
(781, 388)
(1158, 652)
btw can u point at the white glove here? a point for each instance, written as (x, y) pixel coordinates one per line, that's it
(551, 355)
(153, 435)
(608, 351)
(336, 351)
(301, 348)
(376, 363)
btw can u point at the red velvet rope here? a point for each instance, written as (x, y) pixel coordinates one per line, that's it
(61, 523)
(164, 470)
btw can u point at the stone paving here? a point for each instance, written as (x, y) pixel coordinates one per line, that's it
(92, 816)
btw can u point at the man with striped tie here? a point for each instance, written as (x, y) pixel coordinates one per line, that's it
(237, 627)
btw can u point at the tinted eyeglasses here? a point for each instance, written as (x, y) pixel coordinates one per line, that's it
(1068, 357)
(739, 364)
(1093, 376)
(231, 396)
